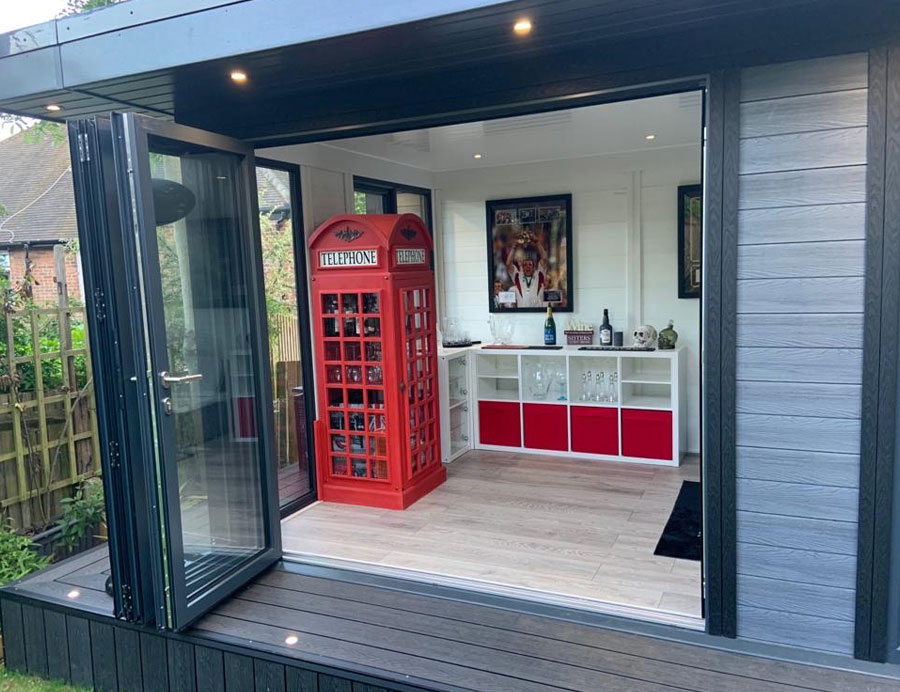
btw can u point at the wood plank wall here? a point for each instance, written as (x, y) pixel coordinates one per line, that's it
(110, 656)
(801, 247)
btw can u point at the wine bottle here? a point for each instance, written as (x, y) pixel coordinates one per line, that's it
(549, 329)
(606, 330)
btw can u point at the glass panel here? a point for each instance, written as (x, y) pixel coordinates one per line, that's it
(350, 303)
(207, 320)
(412, 203)
(370, 303)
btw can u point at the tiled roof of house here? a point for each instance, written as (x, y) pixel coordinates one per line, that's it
(36, 191)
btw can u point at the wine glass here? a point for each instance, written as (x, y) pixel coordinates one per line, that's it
(598, 386)
(613, 394)
(586, 386)
(561, 384)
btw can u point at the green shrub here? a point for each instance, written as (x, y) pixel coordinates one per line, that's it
(18, 556)
(82, 512)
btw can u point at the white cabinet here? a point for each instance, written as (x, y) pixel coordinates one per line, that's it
(456, 416)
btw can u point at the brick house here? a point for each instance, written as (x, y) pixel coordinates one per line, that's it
(37, 214)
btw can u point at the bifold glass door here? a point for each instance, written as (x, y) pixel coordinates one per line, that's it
(189, 198)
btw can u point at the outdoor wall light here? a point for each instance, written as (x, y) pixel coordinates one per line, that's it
(522, 27)
(291, 640)
(53, 108)
(238, 76)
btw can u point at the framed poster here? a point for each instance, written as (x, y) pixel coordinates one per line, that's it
(690, 240)
(529, 244)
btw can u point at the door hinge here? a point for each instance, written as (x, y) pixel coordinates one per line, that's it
(115, 458)
(99, 304)
(127, 601)
(84, 151)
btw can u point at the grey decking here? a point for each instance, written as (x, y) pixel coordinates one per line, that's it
(799, 362)
(382, 637)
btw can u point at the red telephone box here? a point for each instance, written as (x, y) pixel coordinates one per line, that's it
(376, 360)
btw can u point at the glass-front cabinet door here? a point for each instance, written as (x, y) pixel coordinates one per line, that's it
(191, 204)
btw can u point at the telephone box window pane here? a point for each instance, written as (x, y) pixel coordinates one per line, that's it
(379, 468)
(424, 297)
(358, 444)
(329, 303)
(339, 466)
(331, 327)
(355, 398)
(373, 353)
(333, 374)
(350, 302)
(376, 398)
(417, 301)
(372, 326)
(332, 350)
(336, 420)
(377, 446)
(352, 352)
(370, 303)
(335, 397)
(421, 389)
(354, 374)
(376, 422)
(351, 326)
(374, 375)
(359, 467)
(357, 421)
(338, 443)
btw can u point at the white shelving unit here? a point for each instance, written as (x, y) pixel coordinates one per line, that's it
(641, 415)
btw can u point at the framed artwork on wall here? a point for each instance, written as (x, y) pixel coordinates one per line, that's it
(690, 240)
(529, 246)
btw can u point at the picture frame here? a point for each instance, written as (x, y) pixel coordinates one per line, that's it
(529, 252)
(690, 240)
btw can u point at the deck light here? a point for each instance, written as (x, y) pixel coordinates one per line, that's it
(291, 640)
(238, 76)
(649, 138)
(522, 27)
(476, 156)
(74, 593)
(53, 108)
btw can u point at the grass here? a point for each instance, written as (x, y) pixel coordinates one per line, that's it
(14, 682)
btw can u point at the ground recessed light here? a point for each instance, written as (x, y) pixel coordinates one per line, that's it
(522, 27)
(238, 76)
(53, 108)
(74, 593)
(649, 138)
(476, 156)
(291, 640)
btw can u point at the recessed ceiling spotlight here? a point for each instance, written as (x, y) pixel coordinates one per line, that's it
(649, 138)
(476, 156)
(291, 640)
(238, 76)
(522, 27)
(74, 593)
(53, 108)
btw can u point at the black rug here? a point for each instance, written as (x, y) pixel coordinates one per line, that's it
(681, 537)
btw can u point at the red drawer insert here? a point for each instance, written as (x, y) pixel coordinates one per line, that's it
(595, 430)
(646, 434)
(545, 427)
(499, 423)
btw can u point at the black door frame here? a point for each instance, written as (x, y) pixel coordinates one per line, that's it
(301, 272)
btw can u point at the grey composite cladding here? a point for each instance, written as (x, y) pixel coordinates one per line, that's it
(800, 274)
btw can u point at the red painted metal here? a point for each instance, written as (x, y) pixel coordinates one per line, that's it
(545, 426)
(646, 434)
(595, 430)
(499, 423)
(376, 360)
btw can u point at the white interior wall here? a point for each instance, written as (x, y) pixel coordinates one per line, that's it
(603, 217)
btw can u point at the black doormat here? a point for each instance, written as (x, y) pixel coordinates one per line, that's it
(681, 537)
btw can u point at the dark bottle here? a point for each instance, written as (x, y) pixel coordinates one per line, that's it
(549, 329)
(606, 330)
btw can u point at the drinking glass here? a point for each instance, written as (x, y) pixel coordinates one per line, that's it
(561, 384)
(586, 386)
(598, 386)
(613, 393)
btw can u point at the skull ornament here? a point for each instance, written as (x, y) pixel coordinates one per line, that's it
(645, 336)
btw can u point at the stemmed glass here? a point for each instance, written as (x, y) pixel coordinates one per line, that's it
(561, 383)
(586, 386)
(613, 387)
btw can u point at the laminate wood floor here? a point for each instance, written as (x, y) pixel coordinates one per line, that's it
(527, 523)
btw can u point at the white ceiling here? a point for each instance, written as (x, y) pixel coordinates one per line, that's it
(591, 131)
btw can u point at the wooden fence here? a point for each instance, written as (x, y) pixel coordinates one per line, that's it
(48, 421)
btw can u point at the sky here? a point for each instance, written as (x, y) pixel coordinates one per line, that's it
(15, 14)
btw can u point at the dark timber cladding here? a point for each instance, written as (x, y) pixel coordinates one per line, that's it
(292, 630)
(800, 278)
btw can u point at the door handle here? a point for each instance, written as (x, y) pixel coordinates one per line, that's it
(169, 379)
